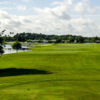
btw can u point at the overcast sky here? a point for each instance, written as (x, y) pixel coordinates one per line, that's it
(77, 17)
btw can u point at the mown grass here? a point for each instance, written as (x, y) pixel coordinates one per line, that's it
(53, 72)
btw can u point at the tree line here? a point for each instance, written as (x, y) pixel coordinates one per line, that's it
(22, 37)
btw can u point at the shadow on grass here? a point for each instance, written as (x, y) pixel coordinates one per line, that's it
(17, 72)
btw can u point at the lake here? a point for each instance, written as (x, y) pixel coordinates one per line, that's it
(8, 49)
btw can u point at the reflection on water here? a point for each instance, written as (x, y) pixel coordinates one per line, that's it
(8, 49)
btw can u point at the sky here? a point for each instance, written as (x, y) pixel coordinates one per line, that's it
(61, 17)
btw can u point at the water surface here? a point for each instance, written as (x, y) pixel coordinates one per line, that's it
(8, 49)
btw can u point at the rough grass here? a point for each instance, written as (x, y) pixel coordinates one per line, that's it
(54, 72)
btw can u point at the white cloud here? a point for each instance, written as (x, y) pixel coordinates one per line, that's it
(65, 2)
(21, 7)
(57, 12)
(83, 8)
(56, 20)
(6, 8)
(3, 2)
(26, 0)
(99, 27)
(53, 13)
(98, 7)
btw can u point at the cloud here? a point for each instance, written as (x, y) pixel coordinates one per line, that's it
(27, 21)
(84, 7)
(99, 27)
(98, 7)
(65, 2)
(58, 19)
(3, 2)
(26, 0)
(21, 8)
(57, 12)
(6, 8)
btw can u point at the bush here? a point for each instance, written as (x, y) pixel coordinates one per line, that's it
(16, 45)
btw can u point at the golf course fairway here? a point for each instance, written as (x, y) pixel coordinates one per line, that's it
(52, 72)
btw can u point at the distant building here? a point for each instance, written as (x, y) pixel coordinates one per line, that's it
(45, 41)
(97, 41)
(34, 41)
(66, 41)
(75, 41)
(51, 41)
(41, 41)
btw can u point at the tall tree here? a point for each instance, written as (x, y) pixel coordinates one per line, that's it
(80, 39)
(71, 39)
(1, 42)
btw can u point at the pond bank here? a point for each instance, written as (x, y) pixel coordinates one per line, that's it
(8, 49)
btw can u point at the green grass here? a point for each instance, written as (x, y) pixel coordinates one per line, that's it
(54, 72)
